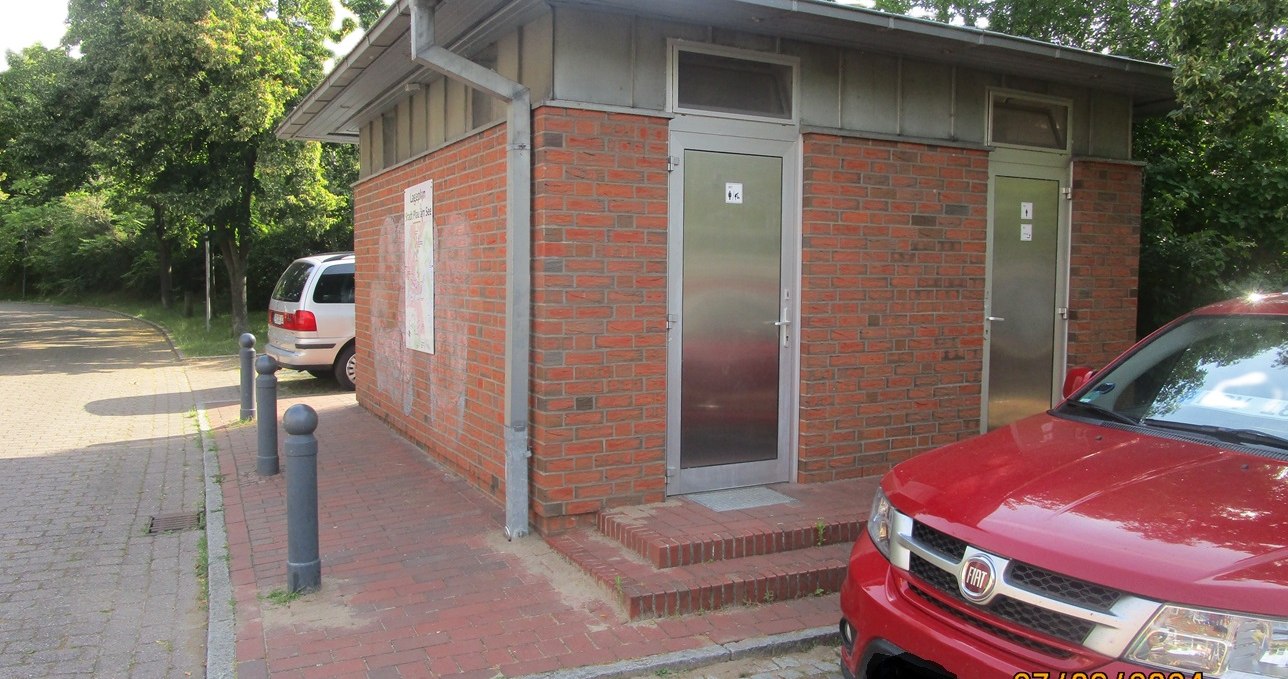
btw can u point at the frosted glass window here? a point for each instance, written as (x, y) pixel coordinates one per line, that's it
(720, 84)
(1027, 122)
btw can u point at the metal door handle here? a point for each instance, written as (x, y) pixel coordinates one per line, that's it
(995, 318)
(784, 339)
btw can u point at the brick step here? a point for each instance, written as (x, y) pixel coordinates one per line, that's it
(682, 548)
(649, 592)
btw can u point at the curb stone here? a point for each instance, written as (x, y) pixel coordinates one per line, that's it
(220, 639)
(698, 658)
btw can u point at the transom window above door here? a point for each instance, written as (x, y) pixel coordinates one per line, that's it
(736, 83)
(1028, 120)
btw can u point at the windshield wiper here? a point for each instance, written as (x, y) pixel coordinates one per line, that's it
(1102, 412)
(1226, 434)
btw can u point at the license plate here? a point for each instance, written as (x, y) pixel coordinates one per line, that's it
(278, 318)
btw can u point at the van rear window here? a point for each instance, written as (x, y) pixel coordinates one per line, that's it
(335, 285)
(290, 287)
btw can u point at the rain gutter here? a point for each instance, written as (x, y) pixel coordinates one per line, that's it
(518, 229)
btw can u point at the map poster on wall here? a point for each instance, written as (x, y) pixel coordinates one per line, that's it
(418, 266)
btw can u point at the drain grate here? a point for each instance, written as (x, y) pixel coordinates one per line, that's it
(165, 523)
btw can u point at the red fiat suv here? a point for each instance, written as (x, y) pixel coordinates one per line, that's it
(1139, 530)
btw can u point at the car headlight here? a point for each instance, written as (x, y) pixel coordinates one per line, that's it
(881, 522)
(1213, 643)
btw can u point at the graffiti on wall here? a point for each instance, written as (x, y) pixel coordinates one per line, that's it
(393, 365)
(447, 384)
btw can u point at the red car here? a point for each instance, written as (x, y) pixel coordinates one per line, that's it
(1139, 530)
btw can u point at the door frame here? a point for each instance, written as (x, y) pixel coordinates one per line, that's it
(738, 137)
(1043, 165)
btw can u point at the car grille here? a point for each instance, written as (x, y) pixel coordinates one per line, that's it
(939, 541)
(995, 630)
(1062, 587)
(1023, 576)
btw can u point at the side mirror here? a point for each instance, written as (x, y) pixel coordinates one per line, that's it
(1076, 378)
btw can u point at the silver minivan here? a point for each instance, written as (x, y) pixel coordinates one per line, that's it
(310, 317)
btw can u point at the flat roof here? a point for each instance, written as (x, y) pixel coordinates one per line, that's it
(380, 67)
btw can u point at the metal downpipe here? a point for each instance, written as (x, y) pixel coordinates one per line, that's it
(518, 265)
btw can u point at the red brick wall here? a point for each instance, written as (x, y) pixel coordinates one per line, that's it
(892, 277)
(892, 292)
(599, 313)
(450, 401)
(1104, 269)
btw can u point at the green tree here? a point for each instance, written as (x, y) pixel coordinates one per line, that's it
(190, 92)
(68, 246)
(260, 57)
(42, 104)
(367, 11)
(1216, 199)
(139, 59)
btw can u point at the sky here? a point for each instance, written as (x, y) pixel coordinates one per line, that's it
(24, 23)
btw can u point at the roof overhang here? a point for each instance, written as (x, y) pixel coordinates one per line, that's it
(380, 69)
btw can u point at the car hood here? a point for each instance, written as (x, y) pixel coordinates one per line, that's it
(1157, 516)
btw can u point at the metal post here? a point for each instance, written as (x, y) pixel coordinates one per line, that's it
(247, 352)
(207, 281)
(303, 566)
(266, 402)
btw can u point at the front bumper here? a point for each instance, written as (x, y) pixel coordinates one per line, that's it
(890, 621)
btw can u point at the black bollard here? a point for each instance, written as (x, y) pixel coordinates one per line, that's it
(266, 400)
(303, 566)
(247, 355)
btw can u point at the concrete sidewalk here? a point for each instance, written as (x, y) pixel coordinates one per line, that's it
(418, 579)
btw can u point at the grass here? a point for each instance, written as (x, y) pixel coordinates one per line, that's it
(189, 333)
(280, 597)
(203, 572)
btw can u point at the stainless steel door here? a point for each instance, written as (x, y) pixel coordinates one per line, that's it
(732, 256)
(732, 341)
(1022, 318)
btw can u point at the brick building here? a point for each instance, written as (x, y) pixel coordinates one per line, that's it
(668, 247)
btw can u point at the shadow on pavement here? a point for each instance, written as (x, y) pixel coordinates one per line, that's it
(288, 386)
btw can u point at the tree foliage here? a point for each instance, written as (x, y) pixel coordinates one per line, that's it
(189, 93)
(41, 108)
(69, 246)
(367, 11)
(165, 123)
(1216, 199)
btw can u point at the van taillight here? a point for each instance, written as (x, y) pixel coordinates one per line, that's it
(301, 321)
(305, 320)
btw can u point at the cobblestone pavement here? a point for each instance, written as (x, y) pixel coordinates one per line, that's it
(98, 437)
(820, 662)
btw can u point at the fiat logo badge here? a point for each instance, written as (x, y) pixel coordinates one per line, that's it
(977, 578)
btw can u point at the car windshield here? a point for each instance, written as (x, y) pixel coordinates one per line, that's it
(290, 287)
(1224, 376)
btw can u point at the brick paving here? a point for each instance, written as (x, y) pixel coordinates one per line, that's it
(418, 579)
(99, 436)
